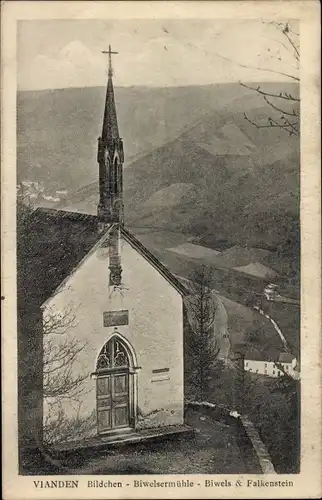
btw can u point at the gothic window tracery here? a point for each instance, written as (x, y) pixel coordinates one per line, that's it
(115, 176)
(113, 355)
(106, 158)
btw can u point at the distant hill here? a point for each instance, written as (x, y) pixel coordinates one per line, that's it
(193, 163)
(57, 130)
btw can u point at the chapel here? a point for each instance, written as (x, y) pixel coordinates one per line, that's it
(100, 319)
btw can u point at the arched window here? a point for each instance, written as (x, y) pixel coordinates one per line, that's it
(113, 355)
(115, 176)
(106, 158)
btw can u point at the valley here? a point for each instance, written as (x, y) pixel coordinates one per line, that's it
(239, 291)
(202, 186)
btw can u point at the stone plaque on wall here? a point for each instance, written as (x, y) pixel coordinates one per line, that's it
(116, 318)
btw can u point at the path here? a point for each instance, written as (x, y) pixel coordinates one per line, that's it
(275, 325)
(213, 449)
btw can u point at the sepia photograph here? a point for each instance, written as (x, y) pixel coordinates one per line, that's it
(157, 337)
(158, 245)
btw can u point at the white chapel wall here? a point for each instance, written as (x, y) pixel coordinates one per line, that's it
(155, 331)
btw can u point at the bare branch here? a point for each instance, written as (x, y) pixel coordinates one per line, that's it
(282, 26)
(61, 380)
(283, 122)
(269, 70)
(59, 358)
(281, 95)
(287, 125)
(288, 49)
(59, 322)
(59, 428)
(296, 51)
(283, 111)
(285, 30)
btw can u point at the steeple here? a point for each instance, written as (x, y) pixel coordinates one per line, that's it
(110, 127)
(110, 159)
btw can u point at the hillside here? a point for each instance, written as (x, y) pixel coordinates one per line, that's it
(57, 130)
(193, 163)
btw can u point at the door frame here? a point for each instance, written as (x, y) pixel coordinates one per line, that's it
(132, 372)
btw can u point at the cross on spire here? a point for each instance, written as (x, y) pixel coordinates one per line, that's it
(109, 52)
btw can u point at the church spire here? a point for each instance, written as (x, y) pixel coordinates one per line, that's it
(110, 127)
(110, 159)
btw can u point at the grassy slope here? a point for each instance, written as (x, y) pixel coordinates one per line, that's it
(243, 182)
(57, 130)
(241, 198)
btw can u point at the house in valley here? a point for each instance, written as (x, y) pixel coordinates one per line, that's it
(285, 363)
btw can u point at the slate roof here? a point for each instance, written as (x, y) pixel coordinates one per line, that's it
(110, 127)
(286, 357)
(49, 246)
(52, 243)
(253, 354)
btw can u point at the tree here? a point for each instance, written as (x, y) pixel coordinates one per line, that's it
(60, 382)
(201, 342)
(273, 404)
(274, 407)
(238, 387)
(285, 106)
(53, 342)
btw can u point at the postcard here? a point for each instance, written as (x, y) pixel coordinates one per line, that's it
(161, 250)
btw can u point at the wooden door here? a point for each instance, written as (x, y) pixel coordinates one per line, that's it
(104, 403)
(112, 401)
(120, 400)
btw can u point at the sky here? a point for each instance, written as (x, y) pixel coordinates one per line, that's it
(67, 53)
